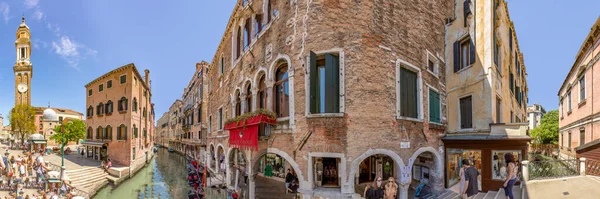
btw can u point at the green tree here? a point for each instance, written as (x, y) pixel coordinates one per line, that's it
(547, 132)
(73, 131)
(22, 121)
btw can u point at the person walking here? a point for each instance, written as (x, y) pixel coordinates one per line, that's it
(461, 175)
(391, 189)
(374, 190)
(471, 182)
(511, 178)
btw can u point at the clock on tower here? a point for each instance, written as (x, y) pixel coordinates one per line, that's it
(23, 68)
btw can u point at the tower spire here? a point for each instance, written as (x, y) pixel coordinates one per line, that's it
(23, 18)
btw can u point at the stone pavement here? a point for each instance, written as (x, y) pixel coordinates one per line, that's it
(574, 187)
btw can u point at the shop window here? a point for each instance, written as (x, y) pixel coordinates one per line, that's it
(466, 112)
(499, 167)
(282, 91)
(454, 159)
(376, 165)
(324, 83)
(326, 172)
(273, 165)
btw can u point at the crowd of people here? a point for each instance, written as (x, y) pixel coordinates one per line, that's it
(28, 171)
(377, 190)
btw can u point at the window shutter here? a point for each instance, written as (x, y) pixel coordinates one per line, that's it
(456, 56)
(408, 81)
(466, 11)
(434, 106)
(472, 52)
(313, 77)
(510, 39)
(332, 87)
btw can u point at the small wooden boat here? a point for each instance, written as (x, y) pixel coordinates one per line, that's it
(171, 149)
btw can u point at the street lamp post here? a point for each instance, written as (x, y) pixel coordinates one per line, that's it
(62, 150)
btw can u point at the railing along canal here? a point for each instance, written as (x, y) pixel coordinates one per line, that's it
(553, 169)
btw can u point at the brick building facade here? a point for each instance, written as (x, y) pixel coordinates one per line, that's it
(356, 87)
(120, 116)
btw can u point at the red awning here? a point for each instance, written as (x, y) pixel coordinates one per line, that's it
(244, 134)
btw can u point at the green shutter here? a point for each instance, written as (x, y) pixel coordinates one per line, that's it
(332, 86)
(434, 107)
(313, 82)
(408, 92)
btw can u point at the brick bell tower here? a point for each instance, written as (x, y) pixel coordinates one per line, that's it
(23, 68)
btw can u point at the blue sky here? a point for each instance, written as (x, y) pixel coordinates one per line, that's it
(76, 41)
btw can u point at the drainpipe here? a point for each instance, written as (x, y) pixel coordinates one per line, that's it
(593, 56)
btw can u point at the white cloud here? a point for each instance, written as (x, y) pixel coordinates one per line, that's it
(5, 11)
(71, 51)
(31, 3)
(38, 14)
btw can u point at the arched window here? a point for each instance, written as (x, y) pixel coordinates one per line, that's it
(122, 132)
(257, 24)
(108, 131)
(282, 91)
(238, 104)
(90, 111)
(108, 108)
(248, 99)
(123, 104)
(247, 33)
(99, 133)
(134, 105)
(100, 109)
(238, 46)
(89, 133)
(262, 93)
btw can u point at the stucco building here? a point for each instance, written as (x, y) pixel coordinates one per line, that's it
(47, 128)
(190, 135)
(357, 89)
(578, 127)
(120, 116)
(535, 113)
(486, 84)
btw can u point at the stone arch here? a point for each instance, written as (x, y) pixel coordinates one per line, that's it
(257, 75)
(439, 166)
(229, 173)
(273, 68)
(247, 82)
(356, 163)
(284, 155)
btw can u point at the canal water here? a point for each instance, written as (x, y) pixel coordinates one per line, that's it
(164, 177)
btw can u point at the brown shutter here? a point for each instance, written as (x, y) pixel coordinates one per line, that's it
(313, 77)
(332, 84)
(456, 56)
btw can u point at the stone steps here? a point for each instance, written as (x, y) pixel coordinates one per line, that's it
(87, 179)
(491, 195)
(481, 195)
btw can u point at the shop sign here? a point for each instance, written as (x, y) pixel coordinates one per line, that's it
(404, 145)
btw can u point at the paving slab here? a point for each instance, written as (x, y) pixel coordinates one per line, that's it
(574, 187)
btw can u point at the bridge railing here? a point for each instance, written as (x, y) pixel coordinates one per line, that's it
(548, 169)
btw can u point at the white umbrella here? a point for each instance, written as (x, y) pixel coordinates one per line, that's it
(78, 197)
(53, 174)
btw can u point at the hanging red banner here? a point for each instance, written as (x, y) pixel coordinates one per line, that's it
(244, 134)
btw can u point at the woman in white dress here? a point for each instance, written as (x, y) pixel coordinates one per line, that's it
(461, 174)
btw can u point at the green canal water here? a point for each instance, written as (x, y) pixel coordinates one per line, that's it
(164, 177)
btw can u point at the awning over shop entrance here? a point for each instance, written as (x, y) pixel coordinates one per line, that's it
(39, 141)
(244, 134)
(91, 143)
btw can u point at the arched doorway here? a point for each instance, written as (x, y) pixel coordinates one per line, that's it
(221, 159)
(271, 167)
(374, 163)
(237, 167)
(426, 171)
(212, 157)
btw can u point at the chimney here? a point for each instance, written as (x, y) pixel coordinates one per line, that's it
(147, 76)
(198, 66)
